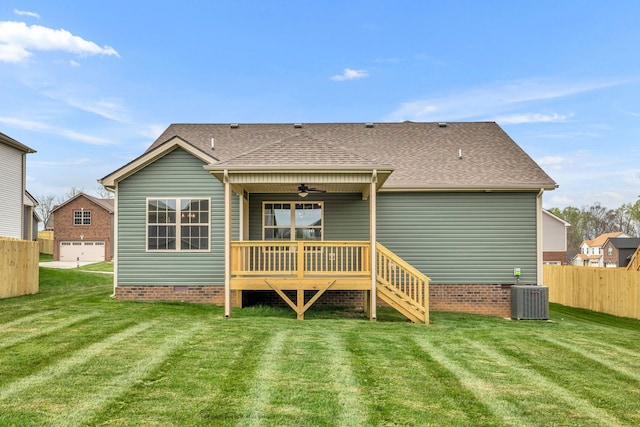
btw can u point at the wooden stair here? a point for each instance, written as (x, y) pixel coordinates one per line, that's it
(402, 286)
(401, 303)
(634, 264)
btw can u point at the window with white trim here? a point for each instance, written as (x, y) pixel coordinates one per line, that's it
(292, 221)
(82, 217)
(173, 220)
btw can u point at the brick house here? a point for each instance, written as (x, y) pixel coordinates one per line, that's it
(617, 251)
(591, 251)
(83, 229)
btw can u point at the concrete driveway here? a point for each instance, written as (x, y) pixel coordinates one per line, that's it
(65, 264)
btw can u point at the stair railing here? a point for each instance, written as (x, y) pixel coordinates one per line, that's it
(403, 278)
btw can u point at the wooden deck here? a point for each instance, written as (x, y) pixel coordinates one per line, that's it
(328, 265)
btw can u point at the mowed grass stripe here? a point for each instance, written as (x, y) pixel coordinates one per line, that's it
(110, 389)
(63, 367)
(538, 382)
(79, 295)
(612, 363)
(353, 411)
(26, 319)
(38, 332)
(266, 374)
(481, 389)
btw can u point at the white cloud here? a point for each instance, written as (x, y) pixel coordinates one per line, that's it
(26, 13)
(46, 128)
(482, 103)
(532, 118)
(153, 131)
(350, 74)
(17, 40)
(109, 109)
(551, 160)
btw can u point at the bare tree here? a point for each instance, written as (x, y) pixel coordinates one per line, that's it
(46, 204)
(103, 193)
(599, 220)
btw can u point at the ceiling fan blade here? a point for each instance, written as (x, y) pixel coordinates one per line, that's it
(302, 188)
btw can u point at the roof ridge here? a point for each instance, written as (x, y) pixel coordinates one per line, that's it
(299, 135)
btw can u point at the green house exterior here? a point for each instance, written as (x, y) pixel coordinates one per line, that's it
(467, 231)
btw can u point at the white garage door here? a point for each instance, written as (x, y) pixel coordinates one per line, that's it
(82, 251)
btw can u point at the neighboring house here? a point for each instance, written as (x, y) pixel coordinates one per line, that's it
(83, 229)
(591, 254)
(554, 238)
(13, 176)
(31, 217)
(212, 212)
(617, 251)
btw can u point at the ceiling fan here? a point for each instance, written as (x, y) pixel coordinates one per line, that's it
(303, 190)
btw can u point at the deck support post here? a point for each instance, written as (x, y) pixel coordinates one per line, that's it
(227, 245)
(372, 233)
(367, 302)
(300, 301)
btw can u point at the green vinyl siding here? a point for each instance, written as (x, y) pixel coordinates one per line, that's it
(346, 216)
(177, 174)
(462, 238)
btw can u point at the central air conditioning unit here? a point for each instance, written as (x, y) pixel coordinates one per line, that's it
(529, 302)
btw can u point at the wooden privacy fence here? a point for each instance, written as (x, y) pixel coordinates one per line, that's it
(607, 290)
(634, 264)
(19, 269)
(45, 240)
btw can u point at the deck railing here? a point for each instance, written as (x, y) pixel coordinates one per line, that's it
(300, 258)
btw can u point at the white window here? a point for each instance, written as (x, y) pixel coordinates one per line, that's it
(82, 217)
(172, 220)
(292, 221)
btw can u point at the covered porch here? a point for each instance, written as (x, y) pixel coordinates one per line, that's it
(291, 263)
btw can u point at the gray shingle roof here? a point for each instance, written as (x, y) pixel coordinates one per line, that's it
(107, 204)
(625, 242)
(423, 155)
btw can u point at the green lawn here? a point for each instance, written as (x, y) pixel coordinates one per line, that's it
(102, 267)
(73, 356)
(45, 257)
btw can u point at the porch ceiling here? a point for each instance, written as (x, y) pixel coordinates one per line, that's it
(336, 187)
(287, 179)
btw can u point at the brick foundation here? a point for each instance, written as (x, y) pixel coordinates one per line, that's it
(491, 300)
(197, 294)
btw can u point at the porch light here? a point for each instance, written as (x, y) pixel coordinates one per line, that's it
(303, 193)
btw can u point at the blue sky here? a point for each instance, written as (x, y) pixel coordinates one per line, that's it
(90, 84)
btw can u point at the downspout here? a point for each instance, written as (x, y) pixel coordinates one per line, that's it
(539, 252)
(23, 184)
(114, 240)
